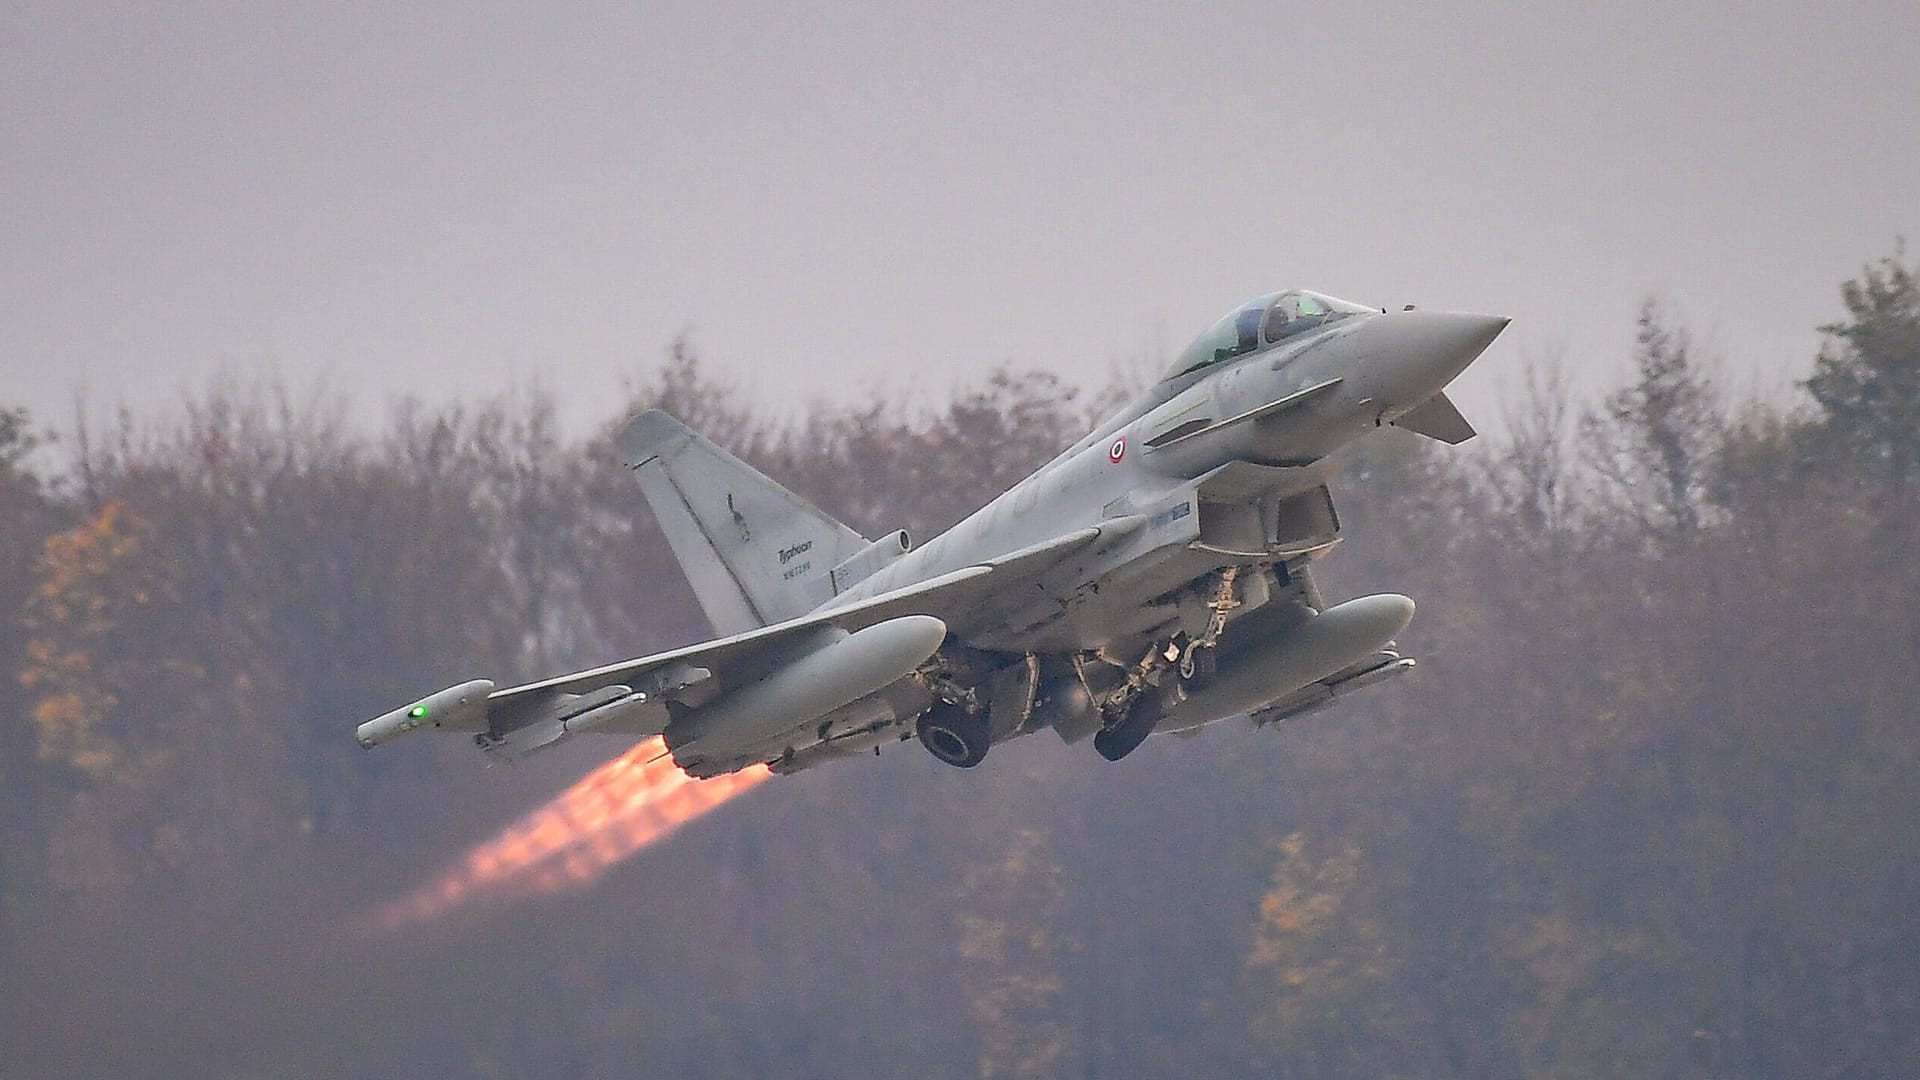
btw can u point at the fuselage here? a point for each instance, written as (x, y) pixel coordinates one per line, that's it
(1150, 577)
(1363, 368)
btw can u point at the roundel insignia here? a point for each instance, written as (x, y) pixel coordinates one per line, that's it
(1118, 450)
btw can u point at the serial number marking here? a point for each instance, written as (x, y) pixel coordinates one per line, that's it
(1170, 515)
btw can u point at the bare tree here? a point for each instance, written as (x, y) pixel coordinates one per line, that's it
(1531, 476)
(1651, 442)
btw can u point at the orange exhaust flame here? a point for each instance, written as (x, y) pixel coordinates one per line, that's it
(612, 812)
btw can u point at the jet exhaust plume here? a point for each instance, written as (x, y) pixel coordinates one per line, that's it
(611, 813)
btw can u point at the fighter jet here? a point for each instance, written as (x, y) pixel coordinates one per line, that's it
(1153, 578)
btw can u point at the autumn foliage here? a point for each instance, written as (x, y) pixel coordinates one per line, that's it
(1646, 808)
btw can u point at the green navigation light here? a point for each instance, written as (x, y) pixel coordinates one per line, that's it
(417, 711)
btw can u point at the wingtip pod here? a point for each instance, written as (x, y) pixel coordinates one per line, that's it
(457, 708)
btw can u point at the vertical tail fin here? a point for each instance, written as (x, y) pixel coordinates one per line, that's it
(754, 552)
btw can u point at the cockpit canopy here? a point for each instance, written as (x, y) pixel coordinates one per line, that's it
(1263, 321)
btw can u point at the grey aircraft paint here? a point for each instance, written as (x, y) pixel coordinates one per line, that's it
(1154, 576)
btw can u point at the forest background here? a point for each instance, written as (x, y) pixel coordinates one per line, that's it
(1646, 808)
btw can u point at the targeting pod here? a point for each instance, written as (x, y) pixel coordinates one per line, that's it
(457, 708)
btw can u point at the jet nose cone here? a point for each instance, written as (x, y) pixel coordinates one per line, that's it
(1465, 335)
(1450, 341)
(1424, 350)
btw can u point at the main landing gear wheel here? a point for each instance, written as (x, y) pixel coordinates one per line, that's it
(954, 735)
(1125, 737)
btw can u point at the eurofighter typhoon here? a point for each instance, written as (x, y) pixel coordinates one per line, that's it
(1152, 578)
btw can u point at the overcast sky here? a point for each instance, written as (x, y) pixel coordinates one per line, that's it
(482, 197)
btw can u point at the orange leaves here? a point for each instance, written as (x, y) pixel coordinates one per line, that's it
(1318, 957)
(74, 611)
(95, 593)
(1304, 901)
(1014, 938)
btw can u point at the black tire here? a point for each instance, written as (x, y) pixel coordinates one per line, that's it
(1125, 737)
(954, 735)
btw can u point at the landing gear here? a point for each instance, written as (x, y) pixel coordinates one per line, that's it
(954, 735)
(1198, 664)
(1126, 736)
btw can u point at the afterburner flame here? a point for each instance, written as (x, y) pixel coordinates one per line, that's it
(613, 811)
